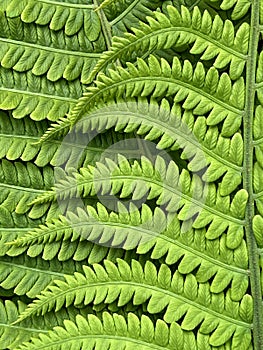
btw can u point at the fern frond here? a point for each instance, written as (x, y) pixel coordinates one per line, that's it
(172, 118)
(20, 184)
(12, 336)
(46, 52)
(77, 251)
(204, 92)
(18, 140)
(55, 63)
(27, 94)
(29, 276)
(211, 38)
(23, 139)
(175, 192)
(15, 225)
(203, 146)
(182, 297)
(8, 234)
(87, 148)
(63, 250)
(42, 35)
(97, 225)
(56, 130)
(114, 332)
(148, 231)
(65, 15)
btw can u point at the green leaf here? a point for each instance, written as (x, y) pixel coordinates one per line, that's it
(135, 220)
(207, 36)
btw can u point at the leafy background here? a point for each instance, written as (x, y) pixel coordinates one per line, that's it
(182, 270)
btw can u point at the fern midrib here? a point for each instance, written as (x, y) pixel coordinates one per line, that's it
(24, 329)
(120, 338)
(34, 269)
(37, 94)
(258, 195)
(258, 141)
(22, 136)
(21, 188)
(25, 242)
(170, 294)
(105, 25)
(125, 12)
(94, 149)
(171, 131)
(128, 48)
(157, 79)
(248, 177)
(16, 229)
(106, 337)
(50, 49)
(66, 4)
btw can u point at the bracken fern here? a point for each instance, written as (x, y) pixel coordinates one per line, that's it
(131, 166)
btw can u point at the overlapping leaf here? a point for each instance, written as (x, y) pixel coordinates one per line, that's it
(64, 250)
(27, 94)
(12, 336)
(55, 63)
(20, 184)
(29, 276)
(160, 289)
(203, 146)
(203, 92)
(19, 139)
(239, 7)
(211, 38)
(145, 231)
(186, 94)
(114, 331)
(68, 16)
(173, 191)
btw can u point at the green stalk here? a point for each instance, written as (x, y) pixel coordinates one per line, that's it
(105, 26)
(248, 177)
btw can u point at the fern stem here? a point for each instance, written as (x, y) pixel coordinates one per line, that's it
(193, 5)
(124, 13)
(105, 25)
(78, 6)
(50, 49)
(248, 177)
